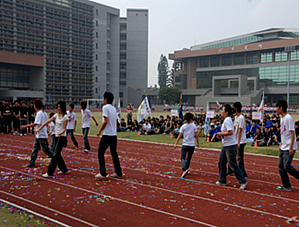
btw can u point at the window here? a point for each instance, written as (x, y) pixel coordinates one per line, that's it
(252, 58)
(215, 61)
(226, 60)
(239, 59)
(281, 56)
(266, 57)
(204, 62)
(97, 12)
(97, 23)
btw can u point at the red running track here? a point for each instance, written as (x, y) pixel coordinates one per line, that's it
(151, 193)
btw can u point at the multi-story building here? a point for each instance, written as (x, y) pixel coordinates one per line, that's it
(66, 50)
(239, 68)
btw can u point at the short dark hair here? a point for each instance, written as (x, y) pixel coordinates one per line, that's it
(228, 109)
(188, 116)
(52, 114)
(282, 103)
(38, 103)
(238, 106)
(72, 105)
(62, 106)
(297, 123)
(109, 96)
(83, 104)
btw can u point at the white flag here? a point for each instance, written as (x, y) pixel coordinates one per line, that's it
(119, 111)
(143, 110)
(261, 107)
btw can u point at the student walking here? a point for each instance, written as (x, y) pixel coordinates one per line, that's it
(229, 150)
(41, 137)
(71, 126)
(61, 120)
(189, 131)
(109, 138)
(52, 132)
(288, 147)
(240, 135)
(86, 115)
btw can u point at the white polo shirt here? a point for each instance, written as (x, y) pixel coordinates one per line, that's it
(109, 111)
(86, 115)
(72, 119)
(40, 119)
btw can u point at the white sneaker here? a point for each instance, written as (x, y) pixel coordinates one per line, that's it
(99, 175)
(46, 175)
(21, 134)
(114, 175)
(243, 186)
(61, 173)
(188, 173)
(184, 173)
(220, 184)
(25, 134)
(86, 151)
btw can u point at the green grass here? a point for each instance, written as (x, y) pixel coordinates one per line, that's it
(271, 150)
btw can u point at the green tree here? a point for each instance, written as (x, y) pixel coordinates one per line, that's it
(170, 95)
(163, 71)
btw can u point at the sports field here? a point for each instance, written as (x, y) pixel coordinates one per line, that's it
(151, 192)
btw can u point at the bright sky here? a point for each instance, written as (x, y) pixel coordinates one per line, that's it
(177, 24)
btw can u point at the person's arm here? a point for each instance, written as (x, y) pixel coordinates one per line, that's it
(291, 150)
(75, 125)
(46, 123)
(239, 137)
(196, 137)
(103, 126)
(178, 139)
(95, 121)
(228, 133)
(51, 130)
(27, 115)
(28, 126)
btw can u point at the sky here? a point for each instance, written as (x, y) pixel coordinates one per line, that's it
(177, 24)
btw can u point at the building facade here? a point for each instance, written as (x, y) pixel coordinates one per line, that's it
(240, 68)
(61, 50)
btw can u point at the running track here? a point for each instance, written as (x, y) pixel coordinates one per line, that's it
(151, 193)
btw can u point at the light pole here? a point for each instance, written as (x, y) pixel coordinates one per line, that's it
(288, 50)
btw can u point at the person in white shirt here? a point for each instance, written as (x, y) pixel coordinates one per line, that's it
(146, 128)
(61, 120)
(41, 137)
(109, 138)
(52, 132)
(229, 149)
(190, 131)
(71, 126)
(288, 146)
(86, 115)
(240, 135)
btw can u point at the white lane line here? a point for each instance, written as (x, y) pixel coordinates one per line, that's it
(108, 196)
(50, 209)
(33, 212)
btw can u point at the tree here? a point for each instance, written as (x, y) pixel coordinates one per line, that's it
(170, 95)
(163, 71)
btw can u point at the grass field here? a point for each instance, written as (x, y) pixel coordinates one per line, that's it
(271, 150)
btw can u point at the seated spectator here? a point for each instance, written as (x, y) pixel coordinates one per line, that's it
(157, 126)
(297, 130)
(135, 127)
(176, 131)
(140, 124)
(218, 127)
(200, 129)
(253, 127)
(267, 137)
(146, 128)
(276, 137)
(130, 125)
(168, 126)
(269, 123)
(118, 126)
(258, 137)
(153, 131)
(123, 125)
(248, 134)
(212, 134)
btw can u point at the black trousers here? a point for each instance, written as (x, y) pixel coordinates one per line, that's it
(57, 159)
(109, 141)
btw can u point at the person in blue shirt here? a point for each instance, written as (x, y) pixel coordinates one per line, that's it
(212, 134)
(248, 129)
(218, 127)
(269, 123)
(253, 127)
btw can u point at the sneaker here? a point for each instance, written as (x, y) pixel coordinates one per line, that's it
(61, 173)
(46, 175)
(30, 165)
(114, 175)
(77, 148)
(184, 173)
(220, 184)
(21, 134)
(25, 134)
(188, 173)
(230, 174)
(99, 175)
(86, 151)
(281, 188)
(243, 186)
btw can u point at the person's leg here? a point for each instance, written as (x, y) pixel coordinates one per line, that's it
(283, 158)
(240, 158)
(190, 153)
(45, 147)
(101, 152)
(57, 158)
(60, 162)
(184, 151)
(36, 148)
(231, 153)
(222, 166)
(71, 132)
(85, 135)
(113, 150)
(52, 143)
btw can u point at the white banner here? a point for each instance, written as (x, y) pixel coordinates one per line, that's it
(174, 112)
(257, 115)
(210, 114)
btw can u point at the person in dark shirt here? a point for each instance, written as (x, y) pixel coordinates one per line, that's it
(31, 116)
(277, 137)
(267, 137)
(130, 125)
(297, 130)
(135, 127)
(123, 126)
(4, 102)
(15, 117)
(258, 138)
(7, 115)
(23, 117)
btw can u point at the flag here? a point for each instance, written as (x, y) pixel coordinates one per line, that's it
(119, 111)
(261, 107)
(181, 111)
(207, 126)
(143, 110)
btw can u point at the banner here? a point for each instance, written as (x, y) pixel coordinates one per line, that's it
(210, 114)
(257, 115)
(207, 126)
(174, 112)
(143, 110)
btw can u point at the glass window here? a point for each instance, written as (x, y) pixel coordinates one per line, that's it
(266, 57)
(281, 56)
(239, 59)
(215, 61)
(204, 62)
(252, 58)
(226, 60)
